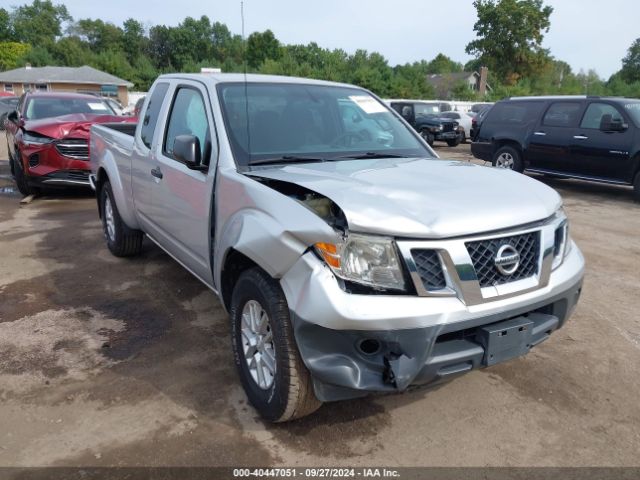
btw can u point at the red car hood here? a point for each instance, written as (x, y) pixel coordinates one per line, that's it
(76, 125)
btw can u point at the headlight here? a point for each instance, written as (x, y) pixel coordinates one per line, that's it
(562, 241)
(364, 259)
(32, 138)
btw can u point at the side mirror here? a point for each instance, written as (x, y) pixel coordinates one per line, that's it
(609, 124)
(186, 149)
(13, 116)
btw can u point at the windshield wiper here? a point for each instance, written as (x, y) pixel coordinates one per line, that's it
(360, 156)
(285, 159)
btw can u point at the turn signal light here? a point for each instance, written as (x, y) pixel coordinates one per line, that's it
(330, 253)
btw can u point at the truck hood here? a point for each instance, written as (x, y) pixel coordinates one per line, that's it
(76, 125)
(423, 198)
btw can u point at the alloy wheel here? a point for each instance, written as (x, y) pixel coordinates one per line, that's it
(257, 344)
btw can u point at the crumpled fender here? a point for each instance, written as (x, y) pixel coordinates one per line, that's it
(270, 228)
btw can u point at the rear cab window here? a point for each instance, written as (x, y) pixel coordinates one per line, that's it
(150, 116)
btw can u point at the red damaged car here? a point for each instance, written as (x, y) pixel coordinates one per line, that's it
(48, 138)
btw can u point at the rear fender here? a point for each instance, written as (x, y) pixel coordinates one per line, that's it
(122, 195)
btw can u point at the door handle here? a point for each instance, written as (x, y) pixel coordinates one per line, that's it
(580, 137)
(540, 134)
(156, 172)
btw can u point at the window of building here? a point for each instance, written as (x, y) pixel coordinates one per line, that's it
(109, 90)
(8, 87)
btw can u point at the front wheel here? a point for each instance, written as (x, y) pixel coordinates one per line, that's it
(427, 136)
(272, 373)
(22, 181)
(509, 158)
(121, 240)
(455, 142)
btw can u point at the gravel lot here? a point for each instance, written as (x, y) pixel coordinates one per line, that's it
(106, 361)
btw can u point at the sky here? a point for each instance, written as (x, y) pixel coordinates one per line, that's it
(587, 34)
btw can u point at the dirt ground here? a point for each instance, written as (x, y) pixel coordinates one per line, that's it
(105, 361)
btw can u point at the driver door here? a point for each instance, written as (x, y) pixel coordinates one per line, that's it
(183, 198)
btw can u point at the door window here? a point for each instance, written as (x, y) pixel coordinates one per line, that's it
(562, 114)
(188, 117)
(596, 111)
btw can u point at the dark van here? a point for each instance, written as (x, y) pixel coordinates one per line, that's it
(590, 138)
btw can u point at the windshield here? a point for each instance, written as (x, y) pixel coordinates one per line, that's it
(633, 109)
(46, 107)
(311, 121)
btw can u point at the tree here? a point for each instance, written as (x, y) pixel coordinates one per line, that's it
(11, 53)
(262, 46)
(443, 64)
(39, 23)
(5, 26)
(509, 37)
(631, 63)
(133, 39)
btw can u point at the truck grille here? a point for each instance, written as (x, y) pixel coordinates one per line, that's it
(77, 148)
(429, 268)
(448, 127)
(483, 254)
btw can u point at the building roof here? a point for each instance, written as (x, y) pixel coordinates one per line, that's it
(437, 79)
(85, 74)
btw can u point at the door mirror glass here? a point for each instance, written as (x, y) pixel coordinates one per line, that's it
(610, 124)
(13, 116)
(186, 149)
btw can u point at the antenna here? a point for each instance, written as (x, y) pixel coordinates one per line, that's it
(246, 95)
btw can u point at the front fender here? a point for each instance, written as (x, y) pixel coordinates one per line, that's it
(270, 228)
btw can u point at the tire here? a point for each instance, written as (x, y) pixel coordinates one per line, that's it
(22, 181)
(455, 142)
(283, 391)
(427, 136)
(636, 188)
(509, 158)
(464, 138)
(121, 240)
(12, 166)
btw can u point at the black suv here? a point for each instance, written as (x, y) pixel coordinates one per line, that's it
(590, 138)
(424, 117)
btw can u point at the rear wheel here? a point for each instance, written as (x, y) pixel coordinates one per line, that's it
(509, 158)
(121, 240)
(636, 188)
(272, 373)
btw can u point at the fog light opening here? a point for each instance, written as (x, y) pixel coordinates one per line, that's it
(369, 346)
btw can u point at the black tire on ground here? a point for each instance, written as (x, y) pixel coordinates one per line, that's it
(277, 383)
(455, 142)
(636, 188)
(121, 240)
(428, 136)
(22, 181)
(12, 167)
(508, 157)
(463, 138)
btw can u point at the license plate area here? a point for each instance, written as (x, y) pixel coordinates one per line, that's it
(505, 340)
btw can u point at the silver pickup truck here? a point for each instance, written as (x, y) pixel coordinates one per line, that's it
(350, 258)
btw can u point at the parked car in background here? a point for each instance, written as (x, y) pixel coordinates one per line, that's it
(47, 138)
(115, 105)
(590, 138)
(348, 265)
(464, 120)
(138, 106)
(426, 118)
(7, 105)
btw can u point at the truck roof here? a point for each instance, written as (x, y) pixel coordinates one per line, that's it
(569, 97)
(251, 78)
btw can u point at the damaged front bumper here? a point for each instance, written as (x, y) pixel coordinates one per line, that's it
(355, 345)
